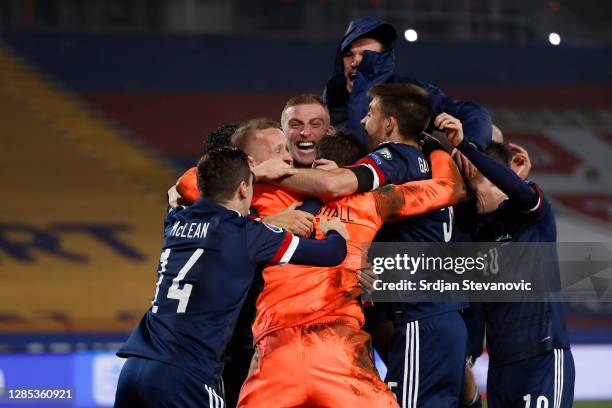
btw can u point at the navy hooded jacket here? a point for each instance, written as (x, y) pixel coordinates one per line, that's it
(347, 110)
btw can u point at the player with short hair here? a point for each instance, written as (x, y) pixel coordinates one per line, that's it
(315, 314)
(391, 163)
(263, 142)
(424, 333)
(530, 361)
(266, 148)
(342, 148)
(398, 160)
(304, 120)
(262, 137)
(220, 137)
(207, 264)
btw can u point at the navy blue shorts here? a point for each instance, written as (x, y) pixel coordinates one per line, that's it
(150, 383)
(546, 380)
(427, 360)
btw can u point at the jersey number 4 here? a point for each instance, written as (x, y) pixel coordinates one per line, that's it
(174, 292)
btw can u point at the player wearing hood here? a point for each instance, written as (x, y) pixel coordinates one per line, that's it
(365, 57)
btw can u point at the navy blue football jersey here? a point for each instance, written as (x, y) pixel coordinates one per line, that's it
(516, 331)
(206, 268)
(398, 163)
(466, 217)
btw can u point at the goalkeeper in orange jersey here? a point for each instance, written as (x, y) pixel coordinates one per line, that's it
(266, 146)
(310, 349)
(335, 294)
(267, 204)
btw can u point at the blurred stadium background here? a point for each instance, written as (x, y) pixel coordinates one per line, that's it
(103, 103)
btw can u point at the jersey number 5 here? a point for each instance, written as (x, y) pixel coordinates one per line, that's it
(174, 292)
(448, 228)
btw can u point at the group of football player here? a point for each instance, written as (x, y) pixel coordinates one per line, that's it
(258, 295)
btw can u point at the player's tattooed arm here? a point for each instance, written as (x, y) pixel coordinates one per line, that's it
(444, 189)
(326, 185)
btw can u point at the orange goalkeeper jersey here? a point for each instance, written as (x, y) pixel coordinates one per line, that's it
(295, 294)
(271, 200)
(267, 199)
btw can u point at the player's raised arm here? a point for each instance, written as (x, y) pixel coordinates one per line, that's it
(524, 195)
(444, 189)
(475, 118)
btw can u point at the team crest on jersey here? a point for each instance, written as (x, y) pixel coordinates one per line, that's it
(385, 153)
(273, 228)
(504, 238)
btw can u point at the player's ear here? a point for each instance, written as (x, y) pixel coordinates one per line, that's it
(243, 190)
(330, 130)
(251, 161)
(390, 124)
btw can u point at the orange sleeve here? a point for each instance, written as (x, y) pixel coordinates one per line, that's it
(187, 187)
(271, 200)
(444, 189)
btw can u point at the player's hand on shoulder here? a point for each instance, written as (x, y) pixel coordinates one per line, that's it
(324, 164)
(335, 224)
(294, 221)
(451, 126)
(273, 169)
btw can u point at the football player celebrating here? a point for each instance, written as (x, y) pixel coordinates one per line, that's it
(530, 362)
(207, 264)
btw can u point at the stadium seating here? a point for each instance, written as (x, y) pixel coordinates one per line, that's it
(80, 230)
(169, 90)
